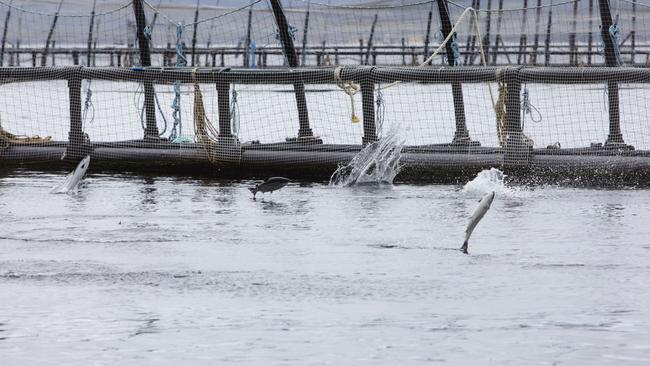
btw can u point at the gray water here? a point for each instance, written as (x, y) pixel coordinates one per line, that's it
(168, 271)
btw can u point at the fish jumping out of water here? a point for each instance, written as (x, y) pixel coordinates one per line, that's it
(479, 212)
(72, 181)
(271, 184)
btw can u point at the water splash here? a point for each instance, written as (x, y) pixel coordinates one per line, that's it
(377, 163)
(488, 181)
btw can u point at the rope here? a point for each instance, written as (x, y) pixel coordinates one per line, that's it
(205, 133)
(517, 9)
(157, 11)
(88, 104)
(528, 108)
(350, 88)
(381, 108)
(369, 7)
(292, 32)
(181, 61)
(500, 111)
(615, 35)
(7, 138)
(3, 2)
(234, 110)
(455, 50)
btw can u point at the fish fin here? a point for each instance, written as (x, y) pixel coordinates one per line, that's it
(464, 247)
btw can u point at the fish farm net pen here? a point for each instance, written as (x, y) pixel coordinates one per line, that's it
(300, 87)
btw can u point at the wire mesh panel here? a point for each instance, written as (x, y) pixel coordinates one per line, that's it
(310, 83)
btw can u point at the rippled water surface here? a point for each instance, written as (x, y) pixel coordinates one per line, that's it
(168, 271)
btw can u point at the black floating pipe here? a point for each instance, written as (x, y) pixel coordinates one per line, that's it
(196, 25)
(372, 35)
(90, 34)
(538, 16)
(247, 46)
(615, 137)
(303, 55)
(50, 34)
(151, 129)
(4, 35)
(290, 52)
(461, 136)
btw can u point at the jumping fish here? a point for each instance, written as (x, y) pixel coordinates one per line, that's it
(271, 184)
(479, 212)
(72, 181)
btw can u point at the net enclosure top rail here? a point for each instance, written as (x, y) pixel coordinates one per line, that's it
(431, 75)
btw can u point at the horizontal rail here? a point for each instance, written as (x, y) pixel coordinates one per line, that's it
(432, 75)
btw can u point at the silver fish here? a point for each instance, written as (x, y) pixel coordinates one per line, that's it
(72, 181)
(479, 212)
(271, 184)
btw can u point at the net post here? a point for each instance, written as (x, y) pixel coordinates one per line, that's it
(461, 135)
(614, 138)
(488, 25)
(547, 41)
(228, 145)
(368, 106)
(517, 151)
(303, 55)
(196, 25)
(304, 131)
(538, 16)
(78, 144)
(370, 39)
(50, 34)
(247, 46)
(497, 38)
(4, 36)
(90, 34)
(151, 129)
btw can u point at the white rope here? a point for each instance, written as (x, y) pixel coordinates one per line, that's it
(367, 7)
(517, 9)
(10, 5)
(477, 29)
(349, 87)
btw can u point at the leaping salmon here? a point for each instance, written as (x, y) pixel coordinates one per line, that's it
(271, 184)
(479, 212)
(72, 181)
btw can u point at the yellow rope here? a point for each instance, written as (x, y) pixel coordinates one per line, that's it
(205, 134)
(350, 88)
(7, 138)
(500, 111)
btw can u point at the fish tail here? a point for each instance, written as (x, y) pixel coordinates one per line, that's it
(464, 247)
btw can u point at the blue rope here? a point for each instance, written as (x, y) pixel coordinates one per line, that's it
(147, 32)
(527, 107)
(455, 50)
(181, 61)
(615, 35)
(292, 32)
